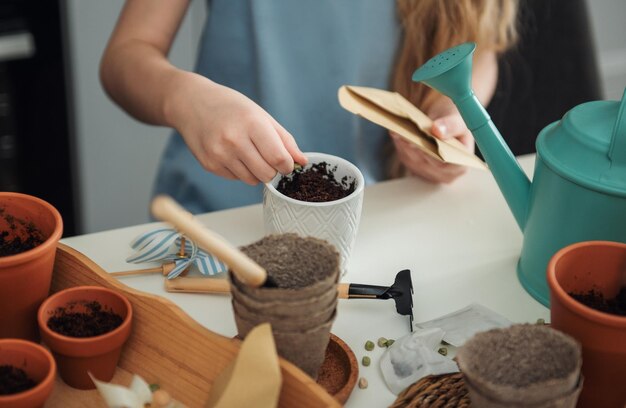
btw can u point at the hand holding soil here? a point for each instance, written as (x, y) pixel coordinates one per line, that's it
(228, 133)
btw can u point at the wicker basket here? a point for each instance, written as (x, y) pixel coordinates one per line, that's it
(435, 391)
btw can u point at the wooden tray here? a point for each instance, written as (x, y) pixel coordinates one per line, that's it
(167, 347)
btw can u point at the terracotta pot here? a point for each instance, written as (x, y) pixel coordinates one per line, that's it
(97, 355)
(25, 277)
(578, 268)
(38, 364)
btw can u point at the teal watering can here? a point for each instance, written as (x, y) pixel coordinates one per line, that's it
(578, 191)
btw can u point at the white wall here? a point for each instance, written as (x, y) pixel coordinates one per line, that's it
(117, 156)
(608, 18)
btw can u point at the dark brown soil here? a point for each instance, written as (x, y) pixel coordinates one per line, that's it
(90, 321)
(20, 236)
(14, 380)
(316, 184)
(293, 261)
(596, 300)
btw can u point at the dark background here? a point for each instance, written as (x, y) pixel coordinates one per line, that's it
(552, 69)
(35, 135)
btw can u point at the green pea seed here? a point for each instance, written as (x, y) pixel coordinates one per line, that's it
(369, 345)
(390, 342)
(443, 351)
(541, 321)
(366, 361)
(362, 383)
(382, 342)
(154, 387)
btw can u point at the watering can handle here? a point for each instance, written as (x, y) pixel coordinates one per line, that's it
(617, 151)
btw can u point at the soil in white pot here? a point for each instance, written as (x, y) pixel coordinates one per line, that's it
(316, 183)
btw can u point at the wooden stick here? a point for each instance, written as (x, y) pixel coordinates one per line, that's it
(220, 286)
(163, 269)
(181, 253)
(246, 270)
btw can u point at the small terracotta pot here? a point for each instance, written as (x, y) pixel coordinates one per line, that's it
(579, 268)
(98, 355)
(25, 277)
(38, 364)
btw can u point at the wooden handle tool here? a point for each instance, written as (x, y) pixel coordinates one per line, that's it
(198, 285)
(221, 286)
(163, 269)
(246, 270)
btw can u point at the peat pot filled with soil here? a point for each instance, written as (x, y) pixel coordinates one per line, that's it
(301, 307)
(26, 374)
(524, 365)
(587, 282)
(85, 327)
(322, 200)
(30, 229)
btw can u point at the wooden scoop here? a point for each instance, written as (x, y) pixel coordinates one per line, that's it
(245, 269)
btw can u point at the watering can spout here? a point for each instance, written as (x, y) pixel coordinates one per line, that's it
(450, 73)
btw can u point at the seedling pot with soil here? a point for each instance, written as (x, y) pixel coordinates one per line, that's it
(27, 373)
(282, 263)
(597, 267)
(301, 319)
(85, 327)
(30, 229)
(522, 366)
(322, 200)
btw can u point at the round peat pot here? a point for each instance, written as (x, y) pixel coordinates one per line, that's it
(39, 366)
(579, 268)
(78, 356)
(25, 276)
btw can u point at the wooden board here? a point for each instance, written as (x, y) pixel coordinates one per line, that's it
(167, 347)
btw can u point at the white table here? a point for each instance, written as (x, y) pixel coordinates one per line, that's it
(460, 242)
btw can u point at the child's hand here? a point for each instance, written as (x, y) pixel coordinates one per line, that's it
(447, 124)
(229, 134)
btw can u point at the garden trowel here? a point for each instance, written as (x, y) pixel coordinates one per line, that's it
(400, 291)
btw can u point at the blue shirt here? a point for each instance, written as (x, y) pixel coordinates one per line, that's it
(290, 57)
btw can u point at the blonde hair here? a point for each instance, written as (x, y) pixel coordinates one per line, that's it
(431, 26)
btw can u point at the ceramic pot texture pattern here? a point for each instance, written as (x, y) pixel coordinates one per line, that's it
(578, 268)
(25, 277)
(39, 366)
(336, 222)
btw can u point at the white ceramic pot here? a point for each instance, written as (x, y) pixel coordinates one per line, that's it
(334, 221)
